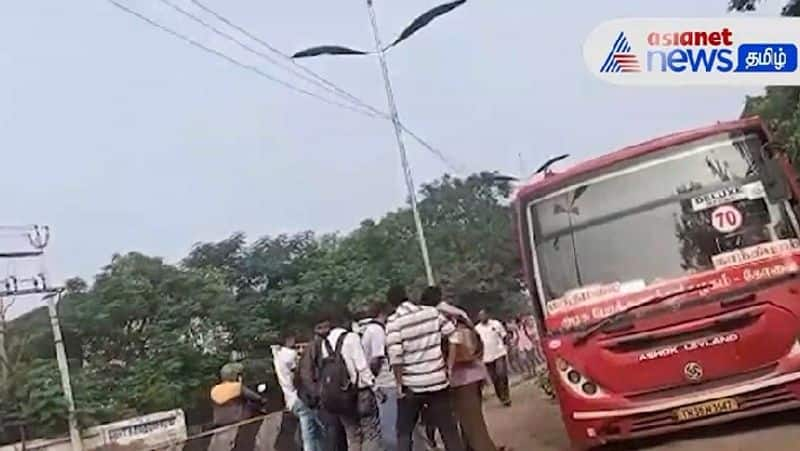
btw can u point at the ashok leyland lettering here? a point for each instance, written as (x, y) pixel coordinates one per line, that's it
(665, 282)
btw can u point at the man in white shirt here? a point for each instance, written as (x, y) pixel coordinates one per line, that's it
(373, 339)
(284, 358)
(362, 426)
(493, 335)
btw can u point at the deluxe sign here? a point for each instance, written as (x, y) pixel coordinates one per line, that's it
(724, 196)
(720, 197)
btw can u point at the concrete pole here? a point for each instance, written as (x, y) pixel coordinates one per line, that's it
(3, 352)
(63, 368)
(398, 132)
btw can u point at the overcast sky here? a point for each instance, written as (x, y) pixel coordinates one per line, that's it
(124, 138)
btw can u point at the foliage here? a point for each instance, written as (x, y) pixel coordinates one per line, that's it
(148, 336)
(39, 396)
(791, 8)
(779, 106)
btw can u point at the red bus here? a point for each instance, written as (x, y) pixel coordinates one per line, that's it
(664, 279)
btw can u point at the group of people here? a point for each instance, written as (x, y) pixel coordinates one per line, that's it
(524, 353)
(368, 386)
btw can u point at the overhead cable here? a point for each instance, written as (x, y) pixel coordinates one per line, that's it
(315, 78)
(288, 58)
(447, 161)
(234, 61)
(243, 45)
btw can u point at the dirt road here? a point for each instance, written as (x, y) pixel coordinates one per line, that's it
(534, 424)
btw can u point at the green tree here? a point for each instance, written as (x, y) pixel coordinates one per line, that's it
(779, 105)
(791, 8)
(148, 336)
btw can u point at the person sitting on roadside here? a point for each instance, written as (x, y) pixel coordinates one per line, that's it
(232, 400)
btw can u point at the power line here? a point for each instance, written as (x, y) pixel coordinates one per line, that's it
(326, 84)
(330, 85)
(334, 87)
(247, 47)
(453, 166)
(234, 61)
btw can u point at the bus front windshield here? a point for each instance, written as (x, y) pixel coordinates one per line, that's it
(653, 218)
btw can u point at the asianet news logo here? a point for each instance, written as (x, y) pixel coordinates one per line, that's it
(698, 52)
(691, 50)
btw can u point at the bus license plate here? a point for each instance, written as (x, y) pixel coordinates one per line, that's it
(707, 409)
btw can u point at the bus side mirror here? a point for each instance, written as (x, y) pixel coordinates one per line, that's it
(774, 180)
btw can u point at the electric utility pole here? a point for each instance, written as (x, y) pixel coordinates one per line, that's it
(38, 239)
(63, 368)
(3, 351)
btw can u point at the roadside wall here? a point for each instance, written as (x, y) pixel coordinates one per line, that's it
(154, 431)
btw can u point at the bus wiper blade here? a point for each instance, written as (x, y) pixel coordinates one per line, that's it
(581, 339)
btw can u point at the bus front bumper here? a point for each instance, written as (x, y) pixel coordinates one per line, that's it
(753, 398)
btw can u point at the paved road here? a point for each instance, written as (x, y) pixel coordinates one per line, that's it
(534, 424)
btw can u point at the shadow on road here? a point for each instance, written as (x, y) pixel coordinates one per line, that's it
(743, 426)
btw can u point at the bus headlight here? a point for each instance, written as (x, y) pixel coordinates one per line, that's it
(589, 388)
(574, 376)
(577, 382)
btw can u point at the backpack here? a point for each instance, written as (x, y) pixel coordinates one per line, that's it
(338, 395)
(470, 347)
(306, 376)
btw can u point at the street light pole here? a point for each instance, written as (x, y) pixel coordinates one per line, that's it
(398, 132)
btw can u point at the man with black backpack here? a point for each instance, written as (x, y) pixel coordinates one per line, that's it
(307, 381)
(346, 386)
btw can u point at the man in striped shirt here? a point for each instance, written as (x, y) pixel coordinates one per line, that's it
(414, 335)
